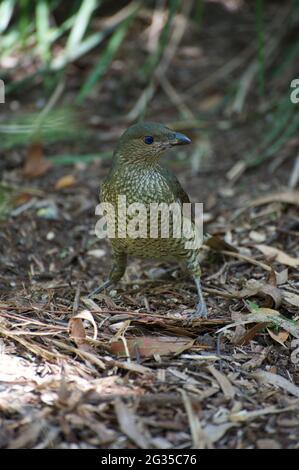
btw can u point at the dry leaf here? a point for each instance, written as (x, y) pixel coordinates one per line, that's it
(288, 197)
(257, 237)
(128, 424)
(35, 164)
(87, 315)
(77, 333)
(65, 182)
(250, 334)
(28, 434)
(150, 345)
(218, 244)
(278, 255)
(267, 444)
(256, 361)
(244, 415)
(254, 287)
(216, 432)
(290, 297)
(226, 386)
(267, 315)
(199, 439)
(22, 198)
(278, 381)
(282, 277)
(77, 330)
(280, 338)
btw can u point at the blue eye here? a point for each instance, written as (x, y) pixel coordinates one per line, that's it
(148, 139)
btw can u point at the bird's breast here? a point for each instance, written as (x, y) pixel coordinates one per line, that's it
(142, 186)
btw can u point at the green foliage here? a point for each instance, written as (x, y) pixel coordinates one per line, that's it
(105, 59)
(59, 124)
(36, 29)
(155, 57)
(260, 44)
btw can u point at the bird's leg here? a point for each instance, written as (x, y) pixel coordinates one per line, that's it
(201, 308)
(116, 273)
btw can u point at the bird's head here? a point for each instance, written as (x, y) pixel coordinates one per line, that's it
(145, 142)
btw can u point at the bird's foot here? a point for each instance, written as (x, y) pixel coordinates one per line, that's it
(99, 289)
(200, 312)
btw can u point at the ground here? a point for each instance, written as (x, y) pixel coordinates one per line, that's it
(230, 381)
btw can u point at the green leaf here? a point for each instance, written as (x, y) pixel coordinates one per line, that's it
(6, 11)
(106, 58)
(42, 29)
(80, 25)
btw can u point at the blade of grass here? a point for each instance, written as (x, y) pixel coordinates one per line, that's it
(73, 159)
(154, 58)
(280, 120)
(6, 11)
(106, 58)
(24, 23)
(81, 23)
(89, 43)
(58, 125)
(260, 39)
(42, 30)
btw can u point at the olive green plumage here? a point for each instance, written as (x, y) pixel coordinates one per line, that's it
(137, 174)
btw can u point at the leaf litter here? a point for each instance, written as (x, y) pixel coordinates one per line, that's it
(125, 370)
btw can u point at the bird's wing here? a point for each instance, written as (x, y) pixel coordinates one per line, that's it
(212, 241)
(175, 186)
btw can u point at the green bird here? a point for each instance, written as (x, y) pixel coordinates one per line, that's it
(136, 173)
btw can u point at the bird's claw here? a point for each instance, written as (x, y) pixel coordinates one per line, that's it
(201, 312)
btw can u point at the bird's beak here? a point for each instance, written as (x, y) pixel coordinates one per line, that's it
(180, 139)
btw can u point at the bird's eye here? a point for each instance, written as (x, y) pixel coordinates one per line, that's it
(148, 139)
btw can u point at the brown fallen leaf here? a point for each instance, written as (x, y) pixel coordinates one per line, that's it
(77, 330)
(218, 244)
(35, 163)
(266, 315)
(288, 197)
(278, 255)
(254, 287)
(257, 360)
(225, 384)
(77, 333)
(65, 182)
(147, 346)
(280, 338)
(250, 334)
(22, 198)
